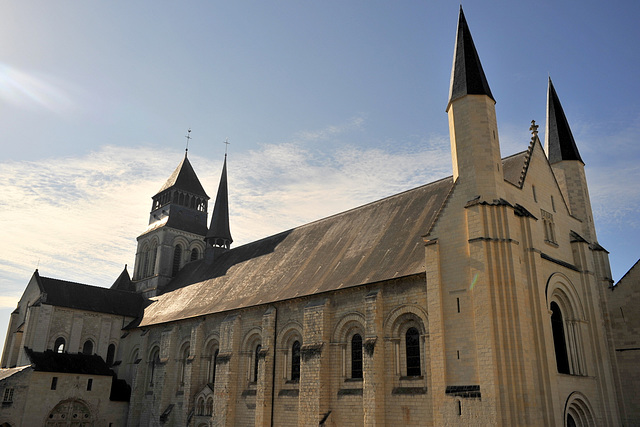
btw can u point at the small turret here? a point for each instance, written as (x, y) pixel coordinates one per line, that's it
(473, 130)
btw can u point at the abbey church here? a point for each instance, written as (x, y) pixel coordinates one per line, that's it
(480, 299)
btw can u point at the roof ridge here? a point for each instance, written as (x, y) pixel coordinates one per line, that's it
(527, 160)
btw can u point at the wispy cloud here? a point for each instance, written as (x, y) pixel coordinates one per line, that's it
(77, 218)
(30, 90)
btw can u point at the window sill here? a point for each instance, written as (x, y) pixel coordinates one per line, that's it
(412, 378)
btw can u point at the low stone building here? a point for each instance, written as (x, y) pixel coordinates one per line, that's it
(478, 299)
(624, 300)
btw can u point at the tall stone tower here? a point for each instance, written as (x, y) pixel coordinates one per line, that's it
(475, 148)
(176, 231)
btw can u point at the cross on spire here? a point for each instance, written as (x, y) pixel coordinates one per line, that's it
(226, 141)
(188, 136)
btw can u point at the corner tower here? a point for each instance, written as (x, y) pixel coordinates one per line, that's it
(177, 227)
(475, 149)
(567, 164)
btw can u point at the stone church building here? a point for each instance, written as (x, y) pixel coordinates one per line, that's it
(476, 300)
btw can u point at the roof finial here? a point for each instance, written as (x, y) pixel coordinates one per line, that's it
(188, 136)
(534, 130)
(226, 141)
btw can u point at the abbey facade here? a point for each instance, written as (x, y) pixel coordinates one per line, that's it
(479, 299)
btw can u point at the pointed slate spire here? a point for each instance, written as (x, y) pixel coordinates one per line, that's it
(184, 178)
(559, 139)
(467, 75)
(219, 234)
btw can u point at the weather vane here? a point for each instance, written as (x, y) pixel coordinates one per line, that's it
(188, 136)
(226, 141)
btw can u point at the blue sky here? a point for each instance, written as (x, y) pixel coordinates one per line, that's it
(327, 105)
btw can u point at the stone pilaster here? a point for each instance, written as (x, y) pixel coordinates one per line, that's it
(313, 403)
(224, 401)
(264, 392)
(138, 384)
(373, 361)
(192, 379)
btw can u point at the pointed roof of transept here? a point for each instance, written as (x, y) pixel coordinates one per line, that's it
(467, 75)
(123, 282)
(560, 144)
(184, 178)
(219, 228)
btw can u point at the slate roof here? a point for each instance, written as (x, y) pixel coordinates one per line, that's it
(376, 242)
(560, 143)
(513, 167)
(91, 298)
(184, 178)
(467, 75)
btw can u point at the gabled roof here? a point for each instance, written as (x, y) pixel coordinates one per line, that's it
(559, 139)
(373, 243)
(91, 298)
(123, 282)
(467, 75)
(514, 166)
(184, 178)
(219, 228)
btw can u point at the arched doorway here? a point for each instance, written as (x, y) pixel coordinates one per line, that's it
(70, 413)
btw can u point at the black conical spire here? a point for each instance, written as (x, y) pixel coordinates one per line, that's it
(123, 282)
(559, 139)
(467, 75)
(219, 234)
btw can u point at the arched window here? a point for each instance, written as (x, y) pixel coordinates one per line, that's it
(184, 357)
(152, 260)
(295, 361)
(256, 358)
(200, 410)
(177, 257)
(209, 408)
(145, 263)
(111, 352)
(154, 362)
(412, 346)
(59, 346)
(210, 356)
(212, 370)
(559, 341)
(87, 348)
(356, 356)
(194, 254)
